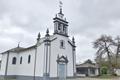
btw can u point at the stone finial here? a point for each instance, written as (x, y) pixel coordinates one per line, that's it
(47, 32)
(56, 15)
(73, 40)
(18, 44)
(60, 5)
(65, 19)
(38, 36)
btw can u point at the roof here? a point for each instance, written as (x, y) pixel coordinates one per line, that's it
(19, 49)
(16, 49)
(87, 63)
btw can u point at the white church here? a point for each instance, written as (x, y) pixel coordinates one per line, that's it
(50, 57)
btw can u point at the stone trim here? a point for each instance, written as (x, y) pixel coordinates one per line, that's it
(65, 35)
(58, 19)
(6, 69)
(63, 61)
(35, 62)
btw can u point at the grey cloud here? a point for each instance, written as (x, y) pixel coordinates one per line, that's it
(88, 19)
(96, 14)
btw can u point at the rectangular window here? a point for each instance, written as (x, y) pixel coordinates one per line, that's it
(62, 44)
(20, 60)
(64, 28)
(29, 59)
(59, 27)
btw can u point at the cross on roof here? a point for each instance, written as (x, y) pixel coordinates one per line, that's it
(60, 4)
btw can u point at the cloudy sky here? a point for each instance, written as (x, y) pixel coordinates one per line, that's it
(21, 20)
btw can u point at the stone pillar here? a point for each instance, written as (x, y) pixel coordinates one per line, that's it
(74, 57)
(46, 56)
(88, 71)
(96, 71)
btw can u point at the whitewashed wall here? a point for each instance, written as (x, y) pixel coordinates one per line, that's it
(40, 60)
(3, 64)
(117, 71)
(12, 67)
(26, 68)
(55, 50)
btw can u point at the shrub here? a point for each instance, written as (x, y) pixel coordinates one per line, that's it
(104, 70)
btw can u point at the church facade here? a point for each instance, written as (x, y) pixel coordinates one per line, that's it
(42, 59)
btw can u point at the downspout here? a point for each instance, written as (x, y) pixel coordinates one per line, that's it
(6, 70)
(35, 62)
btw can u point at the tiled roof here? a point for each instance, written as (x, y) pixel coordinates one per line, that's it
(87, 63)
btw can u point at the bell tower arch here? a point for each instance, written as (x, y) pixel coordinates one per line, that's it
(60, 23)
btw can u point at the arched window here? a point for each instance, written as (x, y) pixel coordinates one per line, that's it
(21, 60)
(29, 58)
(64, 28)
(14, 60)
(59, 26)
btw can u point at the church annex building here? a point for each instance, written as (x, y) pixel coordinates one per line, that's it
(45, 57)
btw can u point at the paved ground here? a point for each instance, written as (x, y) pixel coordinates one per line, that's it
(94, 79)
(83, 79)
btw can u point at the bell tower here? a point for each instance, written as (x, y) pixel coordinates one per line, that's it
(60, 23)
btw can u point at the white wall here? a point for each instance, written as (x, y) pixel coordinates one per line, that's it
(55, 50)
(18, 69)
(117, 71)
(11, 67)
(28, 69)
(24, 68)
(3, 64)
(40, 60)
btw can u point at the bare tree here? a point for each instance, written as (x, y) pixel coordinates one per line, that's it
(103, 45)
(117, 45)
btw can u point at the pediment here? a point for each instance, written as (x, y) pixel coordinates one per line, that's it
(62, 59)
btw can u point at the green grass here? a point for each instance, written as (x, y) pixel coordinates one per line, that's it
(107, 76)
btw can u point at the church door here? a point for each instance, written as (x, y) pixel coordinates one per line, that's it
(62, 71)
